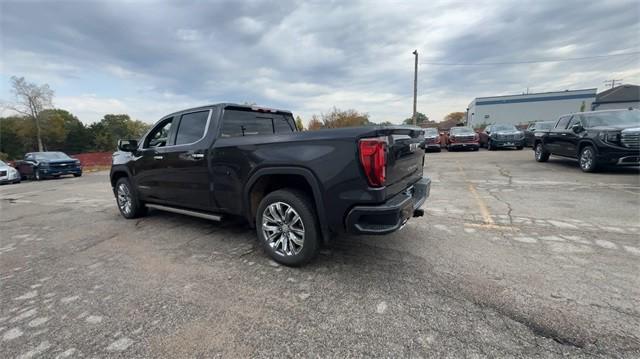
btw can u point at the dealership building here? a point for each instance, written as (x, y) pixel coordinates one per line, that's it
(525, 108)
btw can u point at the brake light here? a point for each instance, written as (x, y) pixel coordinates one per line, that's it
(374, 160)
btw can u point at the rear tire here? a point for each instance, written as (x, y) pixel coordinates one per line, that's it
(77, 174)
(519, 148)
(588, 160)
(286, 225)
(127, 199)
(541, 154)
(36, 175)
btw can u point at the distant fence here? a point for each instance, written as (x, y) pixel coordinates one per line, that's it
(94, 159)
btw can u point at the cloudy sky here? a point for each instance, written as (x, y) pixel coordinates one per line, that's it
(150, 58)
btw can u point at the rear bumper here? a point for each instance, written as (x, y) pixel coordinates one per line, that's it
(391, 215)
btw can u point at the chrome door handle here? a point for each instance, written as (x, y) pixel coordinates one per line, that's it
(158, 157)
(197, 156)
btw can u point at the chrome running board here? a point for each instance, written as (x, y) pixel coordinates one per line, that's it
(212, 217)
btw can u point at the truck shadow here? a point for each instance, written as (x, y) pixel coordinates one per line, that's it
(573, 165)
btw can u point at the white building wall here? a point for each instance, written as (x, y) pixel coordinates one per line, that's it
(520, 109)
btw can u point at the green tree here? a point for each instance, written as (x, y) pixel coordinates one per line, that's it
(12, 140)
(299, 123)
(65, 132)
(111, 128)
(421, 119)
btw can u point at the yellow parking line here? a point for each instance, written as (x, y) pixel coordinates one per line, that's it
(484, 210)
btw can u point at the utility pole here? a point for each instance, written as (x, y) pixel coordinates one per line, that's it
(612, 82)
(415, 87)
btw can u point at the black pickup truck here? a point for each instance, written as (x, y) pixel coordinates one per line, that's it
(609, 137)
(297, 188)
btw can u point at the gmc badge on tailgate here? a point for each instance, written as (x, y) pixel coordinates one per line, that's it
(413, 147)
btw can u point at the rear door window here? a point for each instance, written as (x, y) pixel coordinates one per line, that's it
(192, 127)
(238, 123)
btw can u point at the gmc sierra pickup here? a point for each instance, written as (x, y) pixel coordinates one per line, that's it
(596, 138)
(296, 188)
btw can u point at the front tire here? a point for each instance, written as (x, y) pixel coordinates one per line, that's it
(37, 175)
(490, 146)
(519, 148)
(127, 199)
(541, 154)
(77, 174)
(287, 227)
(588, 160)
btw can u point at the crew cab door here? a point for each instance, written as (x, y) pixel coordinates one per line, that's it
(555, 137)
(186, 180)
(149, 167)
(568, 142)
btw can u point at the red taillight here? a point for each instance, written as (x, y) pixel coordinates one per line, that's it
(374, 160)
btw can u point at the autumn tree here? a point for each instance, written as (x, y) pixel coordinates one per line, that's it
(337, 118)
(30, 101)
(314, 124)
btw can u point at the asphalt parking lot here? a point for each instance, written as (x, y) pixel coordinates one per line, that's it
(513, 258)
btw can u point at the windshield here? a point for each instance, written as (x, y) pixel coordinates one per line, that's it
(51, 156)
(503, 128)
(612, 118)
(431, 132)
(461, 131)
(544, 125)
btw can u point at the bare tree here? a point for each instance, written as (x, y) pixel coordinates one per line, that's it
(30, 101)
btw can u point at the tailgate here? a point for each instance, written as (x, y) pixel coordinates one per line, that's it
(405, 159)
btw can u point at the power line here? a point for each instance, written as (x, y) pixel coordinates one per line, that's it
(527, 62)
(612, 82)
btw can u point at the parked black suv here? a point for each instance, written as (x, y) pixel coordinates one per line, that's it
(294, 187)
(503, 135)
(594, 138)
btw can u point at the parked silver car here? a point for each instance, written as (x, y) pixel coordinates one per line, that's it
(8, 174)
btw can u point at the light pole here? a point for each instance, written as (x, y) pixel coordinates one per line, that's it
(415, 87)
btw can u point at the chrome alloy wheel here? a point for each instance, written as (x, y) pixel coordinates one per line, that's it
(538, 152)
(124, 199)
(586, 159)
(283, 229)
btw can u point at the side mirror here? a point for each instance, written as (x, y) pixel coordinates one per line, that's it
(577, 128)
(127, 145)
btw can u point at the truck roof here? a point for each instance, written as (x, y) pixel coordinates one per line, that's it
(230, 104)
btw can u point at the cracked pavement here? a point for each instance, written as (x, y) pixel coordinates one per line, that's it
(513, 258)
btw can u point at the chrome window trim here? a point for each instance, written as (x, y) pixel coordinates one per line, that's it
(206, 130)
